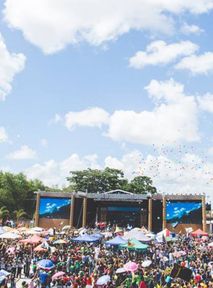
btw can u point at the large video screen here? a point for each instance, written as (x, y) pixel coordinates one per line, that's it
(54, 208)
(186, 212)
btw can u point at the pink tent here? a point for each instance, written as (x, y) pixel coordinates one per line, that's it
(35, 239)
(198, 233)
(39, 248)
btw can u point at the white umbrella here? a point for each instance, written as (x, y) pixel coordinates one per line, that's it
(146, 263)
(120, 270)
(10, 235)
(103, 280)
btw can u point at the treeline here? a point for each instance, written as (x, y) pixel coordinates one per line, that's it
(17, 197)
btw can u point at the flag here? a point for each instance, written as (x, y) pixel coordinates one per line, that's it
(181, 272)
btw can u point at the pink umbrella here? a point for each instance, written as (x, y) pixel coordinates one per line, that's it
(35, 239)
(131, 266)
(58, 275)
(11, 250)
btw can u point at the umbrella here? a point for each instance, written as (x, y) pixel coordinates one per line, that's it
(120, 270)
(58, 275)
(131, 266)
(39, 248)
(146, 263)
(10, 235)
(2, 230)
(60, 241)
(4, 273)
(11, 250)
(45, 264)
(35, 239)
(103, 280)
(198, 233)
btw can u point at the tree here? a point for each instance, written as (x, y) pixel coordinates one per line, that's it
(16, 192)
(4, 213)
(94, 180)
(142, 185)
(19, 214)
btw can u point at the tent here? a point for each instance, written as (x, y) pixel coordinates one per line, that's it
(10, 235)
(139, 235)
(2, 230)
(35, 239)
(134, 244)
(198, 233)
(85, 238)
(118, 240)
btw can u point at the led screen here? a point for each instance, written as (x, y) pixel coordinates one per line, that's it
(55, 208)
(186, 212)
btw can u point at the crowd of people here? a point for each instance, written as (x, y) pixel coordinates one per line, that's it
(69, 263)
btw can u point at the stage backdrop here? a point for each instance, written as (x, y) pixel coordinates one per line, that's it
(54, 208)
(183, 212)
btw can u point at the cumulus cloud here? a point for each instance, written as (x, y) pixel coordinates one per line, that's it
(190, 29)
(173, 120)
(197, 64)
(10, 65)
(159, 52)
(206, 102)
(52, 25)
(24, 153)
(185, 173)
(3, 135)
(93, 117)
(54, 173)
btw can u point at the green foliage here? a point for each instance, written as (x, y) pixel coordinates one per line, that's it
(19, 214)
(142, 185)
(4, 212)
(16, 192)
(94, 181)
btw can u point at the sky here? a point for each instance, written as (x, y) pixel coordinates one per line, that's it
(121, 84)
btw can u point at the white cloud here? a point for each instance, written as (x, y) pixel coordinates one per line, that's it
(197, 64)
(3, 134)
(93, 117)
(54, 173)
(24, 153)
(10, 65)
(53, 24)
(183, 174)
(206, 102)
(173, 120)
(190, 29)
(159, 52)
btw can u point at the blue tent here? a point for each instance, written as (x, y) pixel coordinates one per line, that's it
(118, 240)
(85, 238)
(97, 235)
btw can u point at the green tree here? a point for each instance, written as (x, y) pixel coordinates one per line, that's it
(94, 180)
(142, 185)
(19, 214)
(16, 192)
(4, 213)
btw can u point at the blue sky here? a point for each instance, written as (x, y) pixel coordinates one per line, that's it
(125, 84)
